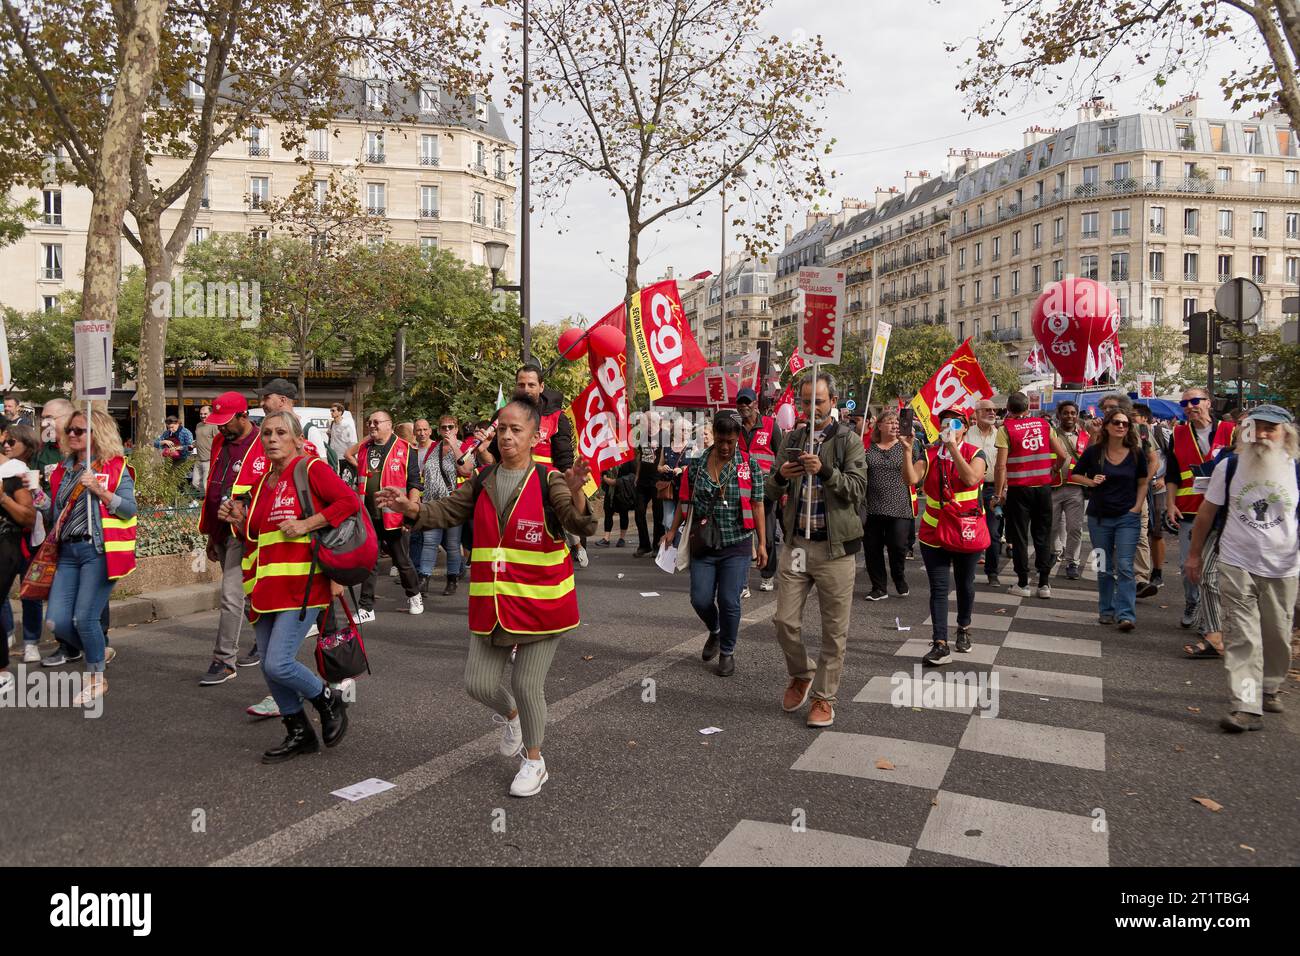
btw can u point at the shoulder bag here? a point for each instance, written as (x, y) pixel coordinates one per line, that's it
(40, 573)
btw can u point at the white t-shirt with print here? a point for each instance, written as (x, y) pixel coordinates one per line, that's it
(1259, 534)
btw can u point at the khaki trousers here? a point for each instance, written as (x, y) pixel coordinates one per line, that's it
(1256, 633)
(1142, 557)
(833, 580)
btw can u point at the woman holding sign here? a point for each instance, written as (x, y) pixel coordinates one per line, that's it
(954, 532)
(96, 542)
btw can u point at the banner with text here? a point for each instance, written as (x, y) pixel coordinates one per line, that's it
(747, 372)
(821, 328)
(958, 384)
(664, 343)
(92, 345)
(596, 433)
(883, 329)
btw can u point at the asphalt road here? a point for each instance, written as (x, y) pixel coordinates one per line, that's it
(1100, 743)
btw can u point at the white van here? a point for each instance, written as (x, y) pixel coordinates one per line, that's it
(318, 418)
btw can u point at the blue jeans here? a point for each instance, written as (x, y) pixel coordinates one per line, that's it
(716, 582)
(1117, 539)
(937, 561)
(278, 638)
(78, 597)
(995, 521)
(425, 545)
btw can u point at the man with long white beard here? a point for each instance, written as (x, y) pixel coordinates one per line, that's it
(1253, 497)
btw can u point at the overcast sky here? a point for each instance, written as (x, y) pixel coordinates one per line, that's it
(900, 111)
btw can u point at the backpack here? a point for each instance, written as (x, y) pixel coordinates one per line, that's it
(548, 509)
(1221, 516)
(345, 554)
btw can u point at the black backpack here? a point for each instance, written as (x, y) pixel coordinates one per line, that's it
(548, 509)
(345, 554)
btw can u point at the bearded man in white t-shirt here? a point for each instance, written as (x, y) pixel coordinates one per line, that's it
(1259, 560)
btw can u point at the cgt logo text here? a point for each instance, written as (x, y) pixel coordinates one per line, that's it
(77, 909)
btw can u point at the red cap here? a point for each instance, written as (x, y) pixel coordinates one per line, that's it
(226, 406)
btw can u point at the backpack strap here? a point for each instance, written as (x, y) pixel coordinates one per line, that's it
(1221, 516)
(548, 509)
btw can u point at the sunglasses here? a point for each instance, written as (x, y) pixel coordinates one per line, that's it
(375, 422)
(1192, 401)
(9, 442)
(1120, 422)
(74, 431)
(446, 428)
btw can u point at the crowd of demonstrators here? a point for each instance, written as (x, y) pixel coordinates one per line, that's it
(1026, 444)
(677, 455)
(619, 487)
(723, 490)
(204, 434)
(1116, 469)
(1252, 499)
(983, 433)
(15, 414)
(277, 542)
(954, 531)
(1150, 562)
(1067, 496)
(18, 501)
(238, 463)
(522, 593)
(824, 490)
(385, 460)
(891, 490)
(1193, 450)
(176, 442)
(96, 539)
(439, 477)
(759, 439)
(649, 476)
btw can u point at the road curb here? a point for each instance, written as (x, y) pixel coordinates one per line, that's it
(157, 605)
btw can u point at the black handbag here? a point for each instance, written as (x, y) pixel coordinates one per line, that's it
(342, 654)
(705, 535)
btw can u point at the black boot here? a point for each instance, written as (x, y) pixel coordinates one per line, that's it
(452, 581)
(333, 710)
(300, 739)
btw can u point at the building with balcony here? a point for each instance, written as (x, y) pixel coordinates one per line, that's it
(804, 248)
(445, 181)
(749, 283)
(1162, 207)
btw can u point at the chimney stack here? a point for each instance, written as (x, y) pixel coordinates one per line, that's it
(884, 195)
(789, 233)
(911, 180)
(1096, 109)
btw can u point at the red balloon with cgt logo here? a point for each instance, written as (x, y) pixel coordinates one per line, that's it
(1074, 320)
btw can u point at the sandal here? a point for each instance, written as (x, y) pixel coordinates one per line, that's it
(1202, 650)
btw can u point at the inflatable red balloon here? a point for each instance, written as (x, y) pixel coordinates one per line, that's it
(566, 347)
(1076, 321)
(606, 341)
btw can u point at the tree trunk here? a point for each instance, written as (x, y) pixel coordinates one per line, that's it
(151, 391)
(112, 178)
(631, 285)
(302, 378)
(180, 391)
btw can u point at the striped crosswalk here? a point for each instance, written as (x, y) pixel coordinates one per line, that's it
(966, 825)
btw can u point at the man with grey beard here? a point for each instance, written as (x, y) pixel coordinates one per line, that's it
(1253, 498)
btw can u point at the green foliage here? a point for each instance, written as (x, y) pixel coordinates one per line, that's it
(40, 352)
(915, 353)
(168, 532)
(160, 483)
(1002, 375)
(1160, 351)
(14, 219)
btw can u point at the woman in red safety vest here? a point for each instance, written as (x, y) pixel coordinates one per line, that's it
(953, 532)
(278, 540)
(521, 589)
(96, 544)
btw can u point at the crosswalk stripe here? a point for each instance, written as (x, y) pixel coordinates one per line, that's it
(1015, 738)
(1022, 680)
(1011, 835)
(1059, 615)
(883, 690)
(986, 622)
(855, 755)
(978, 654)
(755, 843)
(1052, 645)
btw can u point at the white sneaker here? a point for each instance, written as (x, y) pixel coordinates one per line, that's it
(582, 558)
(109, 654)
(767, 584)
(6, 678)
(745, 593)
(266, 707)
(393, 572)
(31, 654)
(416, 604)
(1019, 591)
(1045, 591)
(528, 781)
(365, 615)
(95, 686)
(512, 735)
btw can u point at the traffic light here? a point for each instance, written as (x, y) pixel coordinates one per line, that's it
(1198, 333)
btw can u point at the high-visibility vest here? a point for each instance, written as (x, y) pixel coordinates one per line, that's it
(916, 505)
(954, 516)
(250, 472)
(1060, 470)
(542, 450)
(759, 448)
(119, 533)
(520, 577)
(276, 568)
(392, 474)
(1029, 452)
(1192, 463)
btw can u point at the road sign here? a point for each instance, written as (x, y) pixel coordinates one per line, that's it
(1291, 305)
(1225, 300)
(1291, 332)
(850, 404)
(1236, 370)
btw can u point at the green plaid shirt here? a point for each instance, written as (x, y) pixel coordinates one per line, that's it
(727, 511)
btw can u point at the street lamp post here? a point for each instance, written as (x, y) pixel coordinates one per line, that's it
(496, 260)
(526, 348)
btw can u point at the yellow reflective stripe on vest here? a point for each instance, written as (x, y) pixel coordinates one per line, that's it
(929, 517)
(542, 592)
(966, 495)
(1021, 459)
(119, 546)
(284, 569)
(516, 556)
(277, 537)
(119, 522)
(1186, 490)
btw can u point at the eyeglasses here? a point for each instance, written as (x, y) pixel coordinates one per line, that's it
(1122, 423)
(9, 442)
(74, 431)
(376, 422)
(446, 428)
(1192, 401)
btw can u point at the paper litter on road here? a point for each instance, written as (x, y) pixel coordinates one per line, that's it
(666, 559)
(708, 731)
(899, 624)
(366, 788)
(649, 593)
(620, 575)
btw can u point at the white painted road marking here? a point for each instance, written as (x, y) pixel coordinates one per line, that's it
(753, 843)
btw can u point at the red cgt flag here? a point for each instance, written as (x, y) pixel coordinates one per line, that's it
(958, 384)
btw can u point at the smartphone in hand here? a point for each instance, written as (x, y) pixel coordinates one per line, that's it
(907, 419)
